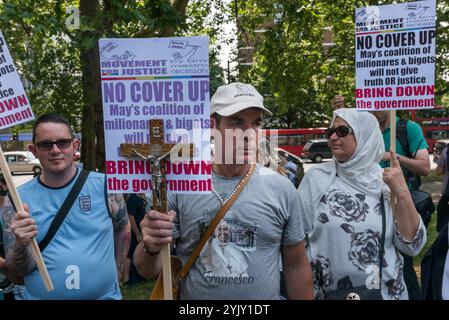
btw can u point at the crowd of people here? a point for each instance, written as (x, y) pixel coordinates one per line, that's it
(337, 234)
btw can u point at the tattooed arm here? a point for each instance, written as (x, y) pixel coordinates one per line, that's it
(122, 229)
(14, 278)
(19, 230)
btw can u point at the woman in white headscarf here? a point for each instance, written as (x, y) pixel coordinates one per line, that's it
(341, 203)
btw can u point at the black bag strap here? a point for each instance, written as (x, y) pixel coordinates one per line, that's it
(382, 247)
(64, 210)
(447, 157)
(2, 252)
(446, 190)
(402, 135)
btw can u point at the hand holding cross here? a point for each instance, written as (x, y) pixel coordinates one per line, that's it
(157, 152)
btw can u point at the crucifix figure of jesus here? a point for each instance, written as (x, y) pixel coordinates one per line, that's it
(156, 178)
(157, 152)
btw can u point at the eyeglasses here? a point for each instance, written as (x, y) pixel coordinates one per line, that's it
(341, 131)
(48, 145)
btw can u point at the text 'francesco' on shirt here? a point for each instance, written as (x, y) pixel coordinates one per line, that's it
(241, 259)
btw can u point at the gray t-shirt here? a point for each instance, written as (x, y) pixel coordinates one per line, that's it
(241, 259)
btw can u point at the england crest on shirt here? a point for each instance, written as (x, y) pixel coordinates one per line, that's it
(84, 203)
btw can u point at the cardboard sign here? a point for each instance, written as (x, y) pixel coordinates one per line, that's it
(160, 78)
(395, 56)
(15, 107)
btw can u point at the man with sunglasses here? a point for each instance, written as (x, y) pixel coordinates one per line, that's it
(88, 250)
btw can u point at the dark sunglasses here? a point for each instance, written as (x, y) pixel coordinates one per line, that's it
(48, 145)
(341, 131)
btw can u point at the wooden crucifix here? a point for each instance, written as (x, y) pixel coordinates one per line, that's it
(157, 153)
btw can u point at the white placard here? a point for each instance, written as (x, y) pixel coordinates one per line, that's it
(15, 107)
(158, 78)
(395, 56)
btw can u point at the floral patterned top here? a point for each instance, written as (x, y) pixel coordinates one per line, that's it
(344, 244)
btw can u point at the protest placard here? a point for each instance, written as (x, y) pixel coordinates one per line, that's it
(15, 109)
(160, 78)
(14, 104)
(395, 56)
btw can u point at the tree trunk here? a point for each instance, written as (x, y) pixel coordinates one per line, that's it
(92, 129)
(92, 147)
(180, 6)
(88, 8)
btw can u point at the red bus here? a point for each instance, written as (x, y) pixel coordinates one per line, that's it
(434, 123)
(294, 140)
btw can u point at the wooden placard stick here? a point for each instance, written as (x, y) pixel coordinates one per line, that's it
(393, 147)
(19, 207)
(157, 153)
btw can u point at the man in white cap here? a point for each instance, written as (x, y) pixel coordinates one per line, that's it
(263, 224)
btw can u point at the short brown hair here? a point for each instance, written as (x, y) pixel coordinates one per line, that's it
(54, 118)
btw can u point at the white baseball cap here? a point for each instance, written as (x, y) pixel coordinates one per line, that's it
(235, 97)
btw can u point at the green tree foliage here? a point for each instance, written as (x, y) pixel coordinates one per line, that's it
(296, 73)
(206, 18)
(63, 64)
(340, 17)
(290, 64)
(44, 57)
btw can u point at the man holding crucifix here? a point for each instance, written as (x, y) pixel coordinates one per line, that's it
(241, 258)
(86, 251)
